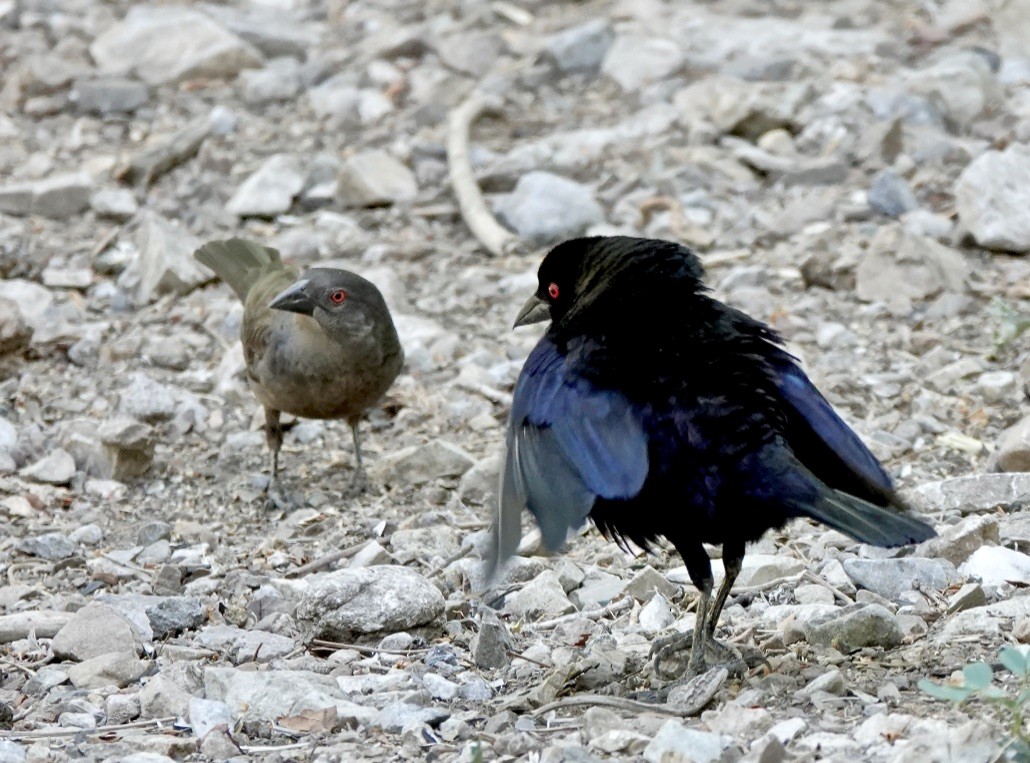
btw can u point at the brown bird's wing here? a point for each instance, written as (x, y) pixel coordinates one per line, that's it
(258, 319)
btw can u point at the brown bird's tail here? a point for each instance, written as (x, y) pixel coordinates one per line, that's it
(238, 262)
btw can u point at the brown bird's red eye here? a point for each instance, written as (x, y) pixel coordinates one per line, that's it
(553, 291)
(338, 296)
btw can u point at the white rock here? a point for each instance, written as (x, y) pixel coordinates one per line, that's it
(996, 566)
(675, 743)
(993, 199)
(373, 178)
(165, 263)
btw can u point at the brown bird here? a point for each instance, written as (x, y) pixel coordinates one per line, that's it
(321, 347)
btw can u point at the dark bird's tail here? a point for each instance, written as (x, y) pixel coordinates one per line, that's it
(867, 522)
(237, 262)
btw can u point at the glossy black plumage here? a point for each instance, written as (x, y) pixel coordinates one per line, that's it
(655, 410)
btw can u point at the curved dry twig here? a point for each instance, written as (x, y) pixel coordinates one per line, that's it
(494, 237)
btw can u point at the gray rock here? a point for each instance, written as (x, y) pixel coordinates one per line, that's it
(108, 95)
(121, 708)
(969, 596)
(269, 695)
(992, 197)
(275, 31)
(15, 333)
(580, 49)
(543, 596)
(208, 714)
(890, 195)
(854, 627)
(974, 493)
(46, 678)
(439, 687)
(167, 44)
(175, 614)
(278, 81)
(163, 696)
(891, 578)
(478, 485)
(95, 630)
(245, 646)
(397, 715)
(55, 468)
(957, 542)
(367, 600)
(634, 60)
(422, 463)
(830, 682)
(116, 203)
(374, 178)
(33, 301)
(675, 742)
(425, 543)
(270, 190)
(129, 444)
(146, 399)
(900, 264)
(62, 196)
(491, 644)
(114, 669)
(51, 546)
(960, 81)
(16, 198)
(545, 208)
(165, 263)
(647, 582)
(1013, 452)
(598, 588)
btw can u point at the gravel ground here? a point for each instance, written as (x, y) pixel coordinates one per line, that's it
(855, 172)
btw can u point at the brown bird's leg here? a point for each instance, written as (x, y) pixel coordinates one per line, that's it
(359, 474)
(274, 438)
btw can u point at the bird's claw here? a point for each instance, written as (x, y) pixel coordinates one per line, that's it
(280, 500)
(712, 654)
(359, 482)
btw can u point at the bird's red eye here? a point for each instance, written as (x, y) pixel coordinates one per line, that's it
(338, 296)
(553, 291)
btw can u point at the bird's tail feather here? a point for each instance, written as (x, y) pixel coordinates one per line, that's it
(867, 522)
(237, 262)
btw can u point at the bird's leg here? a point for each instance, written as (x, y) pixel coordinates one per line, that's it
(274, 438)
(732, 561)
(359, 474)
(699, 567)
(705, 651)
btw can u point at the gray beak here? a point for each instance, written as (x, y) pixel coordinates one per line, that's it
(294, 299)
(534, 311)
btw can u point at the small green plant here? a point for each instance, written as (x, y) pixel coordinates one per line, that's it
(1010, 701)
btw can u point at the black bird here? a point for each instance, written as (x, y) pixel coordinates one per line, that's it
(321, 347)
(654, 410)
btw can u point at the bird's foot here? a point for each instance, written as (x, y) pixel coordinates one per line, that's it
(279, 499)
(359, 482)
(712, 654)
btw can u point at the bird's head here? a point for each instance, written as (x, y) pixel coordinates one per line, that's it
(610, 272)
(343, 303)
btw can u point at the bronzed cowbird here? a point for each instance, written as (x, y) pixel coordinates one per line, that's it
(655, 410)
(321, 347)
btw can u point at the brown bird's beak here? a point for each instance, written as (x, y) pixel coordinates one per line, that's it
(534, 311)
(294, 299)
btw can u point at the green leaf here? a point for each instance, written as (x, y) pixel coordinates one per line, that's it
(977, 675)
(1014, 659)
(942, 691)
